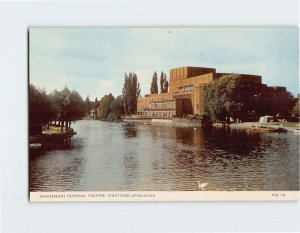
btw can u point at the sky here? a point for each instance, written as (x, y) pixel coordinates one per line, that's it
(93, 61)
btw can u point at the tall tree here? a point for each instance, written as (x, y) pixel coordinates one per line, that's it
(131, 91)
(154, 86)
(87, 105)
(164, 84)
(96, 106)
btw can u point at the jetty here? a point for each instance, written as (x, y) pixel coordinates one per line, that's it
(52, 135)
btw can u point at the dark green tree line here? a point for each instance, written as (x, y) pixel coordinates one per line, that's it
(63, 107)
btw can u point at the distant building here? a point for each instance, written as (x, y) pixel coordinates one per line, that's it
(186, 93)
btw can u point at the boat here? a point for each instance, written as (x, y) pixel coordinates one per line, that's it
(269, 120)
(268, 124)
(297, 131)
(269, 129)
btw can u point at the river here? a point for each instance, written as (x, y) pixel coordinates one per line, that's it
(106, 156)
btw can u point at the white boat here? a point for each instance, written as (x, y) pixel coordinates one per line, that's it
(268, 124)
(268, 120)
(297, 131)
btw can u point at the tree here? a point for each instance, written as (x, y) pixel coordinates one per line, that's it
(154, 87)
(131, 91)
(41, 111)
(87, 105)
(225, 98)
(282, 103)
(110, 108)
(117, 107)
(105, 106)
(75, 110)
(164, 84)
(95, 107)
(296, 110)
(69, 106)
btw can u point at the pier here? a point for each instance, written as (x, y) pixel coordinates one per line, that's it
(51, 136)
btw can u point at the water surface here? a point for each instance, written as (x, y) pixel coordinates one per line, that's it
(108, 156)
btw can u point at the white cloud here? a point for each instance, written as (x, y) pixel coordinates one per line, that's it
(93, 61)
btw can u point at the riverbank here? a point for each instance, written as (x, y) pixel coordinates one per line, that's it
(289, 126)
(185, 122)
(51, 136)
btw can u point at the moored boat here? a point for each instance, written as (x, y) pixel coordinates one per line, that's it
(269, 129)
(297, 131)
(268, 124)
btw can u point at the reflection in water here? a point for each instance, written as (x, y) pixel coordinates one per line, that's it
(129, 131)
(107, 156)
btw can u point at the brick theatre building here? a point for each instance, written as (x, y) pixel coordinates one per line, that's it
(186, 93)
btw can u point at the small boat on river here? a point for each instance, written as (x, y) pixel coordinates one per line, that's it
(268, 124)
(262, 128)
(297, 131)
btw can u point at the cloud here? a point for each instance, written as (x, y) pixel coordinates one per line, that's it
(93, 60)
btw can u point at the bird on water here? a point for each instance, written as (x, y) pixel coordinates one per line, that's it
(202, 186)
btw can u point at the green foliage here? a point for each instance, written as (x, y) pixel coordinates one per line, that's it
(154, 87)
(76, 109)
(224, 98)
(117, 107)
(40, 108)
(164, 84)
(131, 91)
(69, 105)
(112, 116)
(230, 96)
(296, 110)
(110, 108)
(88, 105)
(105, 106)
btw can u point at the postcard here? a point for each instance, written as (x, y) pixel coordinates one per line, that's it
(163, 114)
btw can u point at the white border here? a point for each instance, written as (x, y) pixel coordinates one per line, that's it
(164, 196)
(18, 215)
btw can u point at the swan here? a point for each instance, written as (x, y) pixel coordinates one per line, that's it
(202, 186)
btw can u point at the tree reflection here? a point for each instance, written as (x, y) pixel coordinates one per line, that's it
(129, 131)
